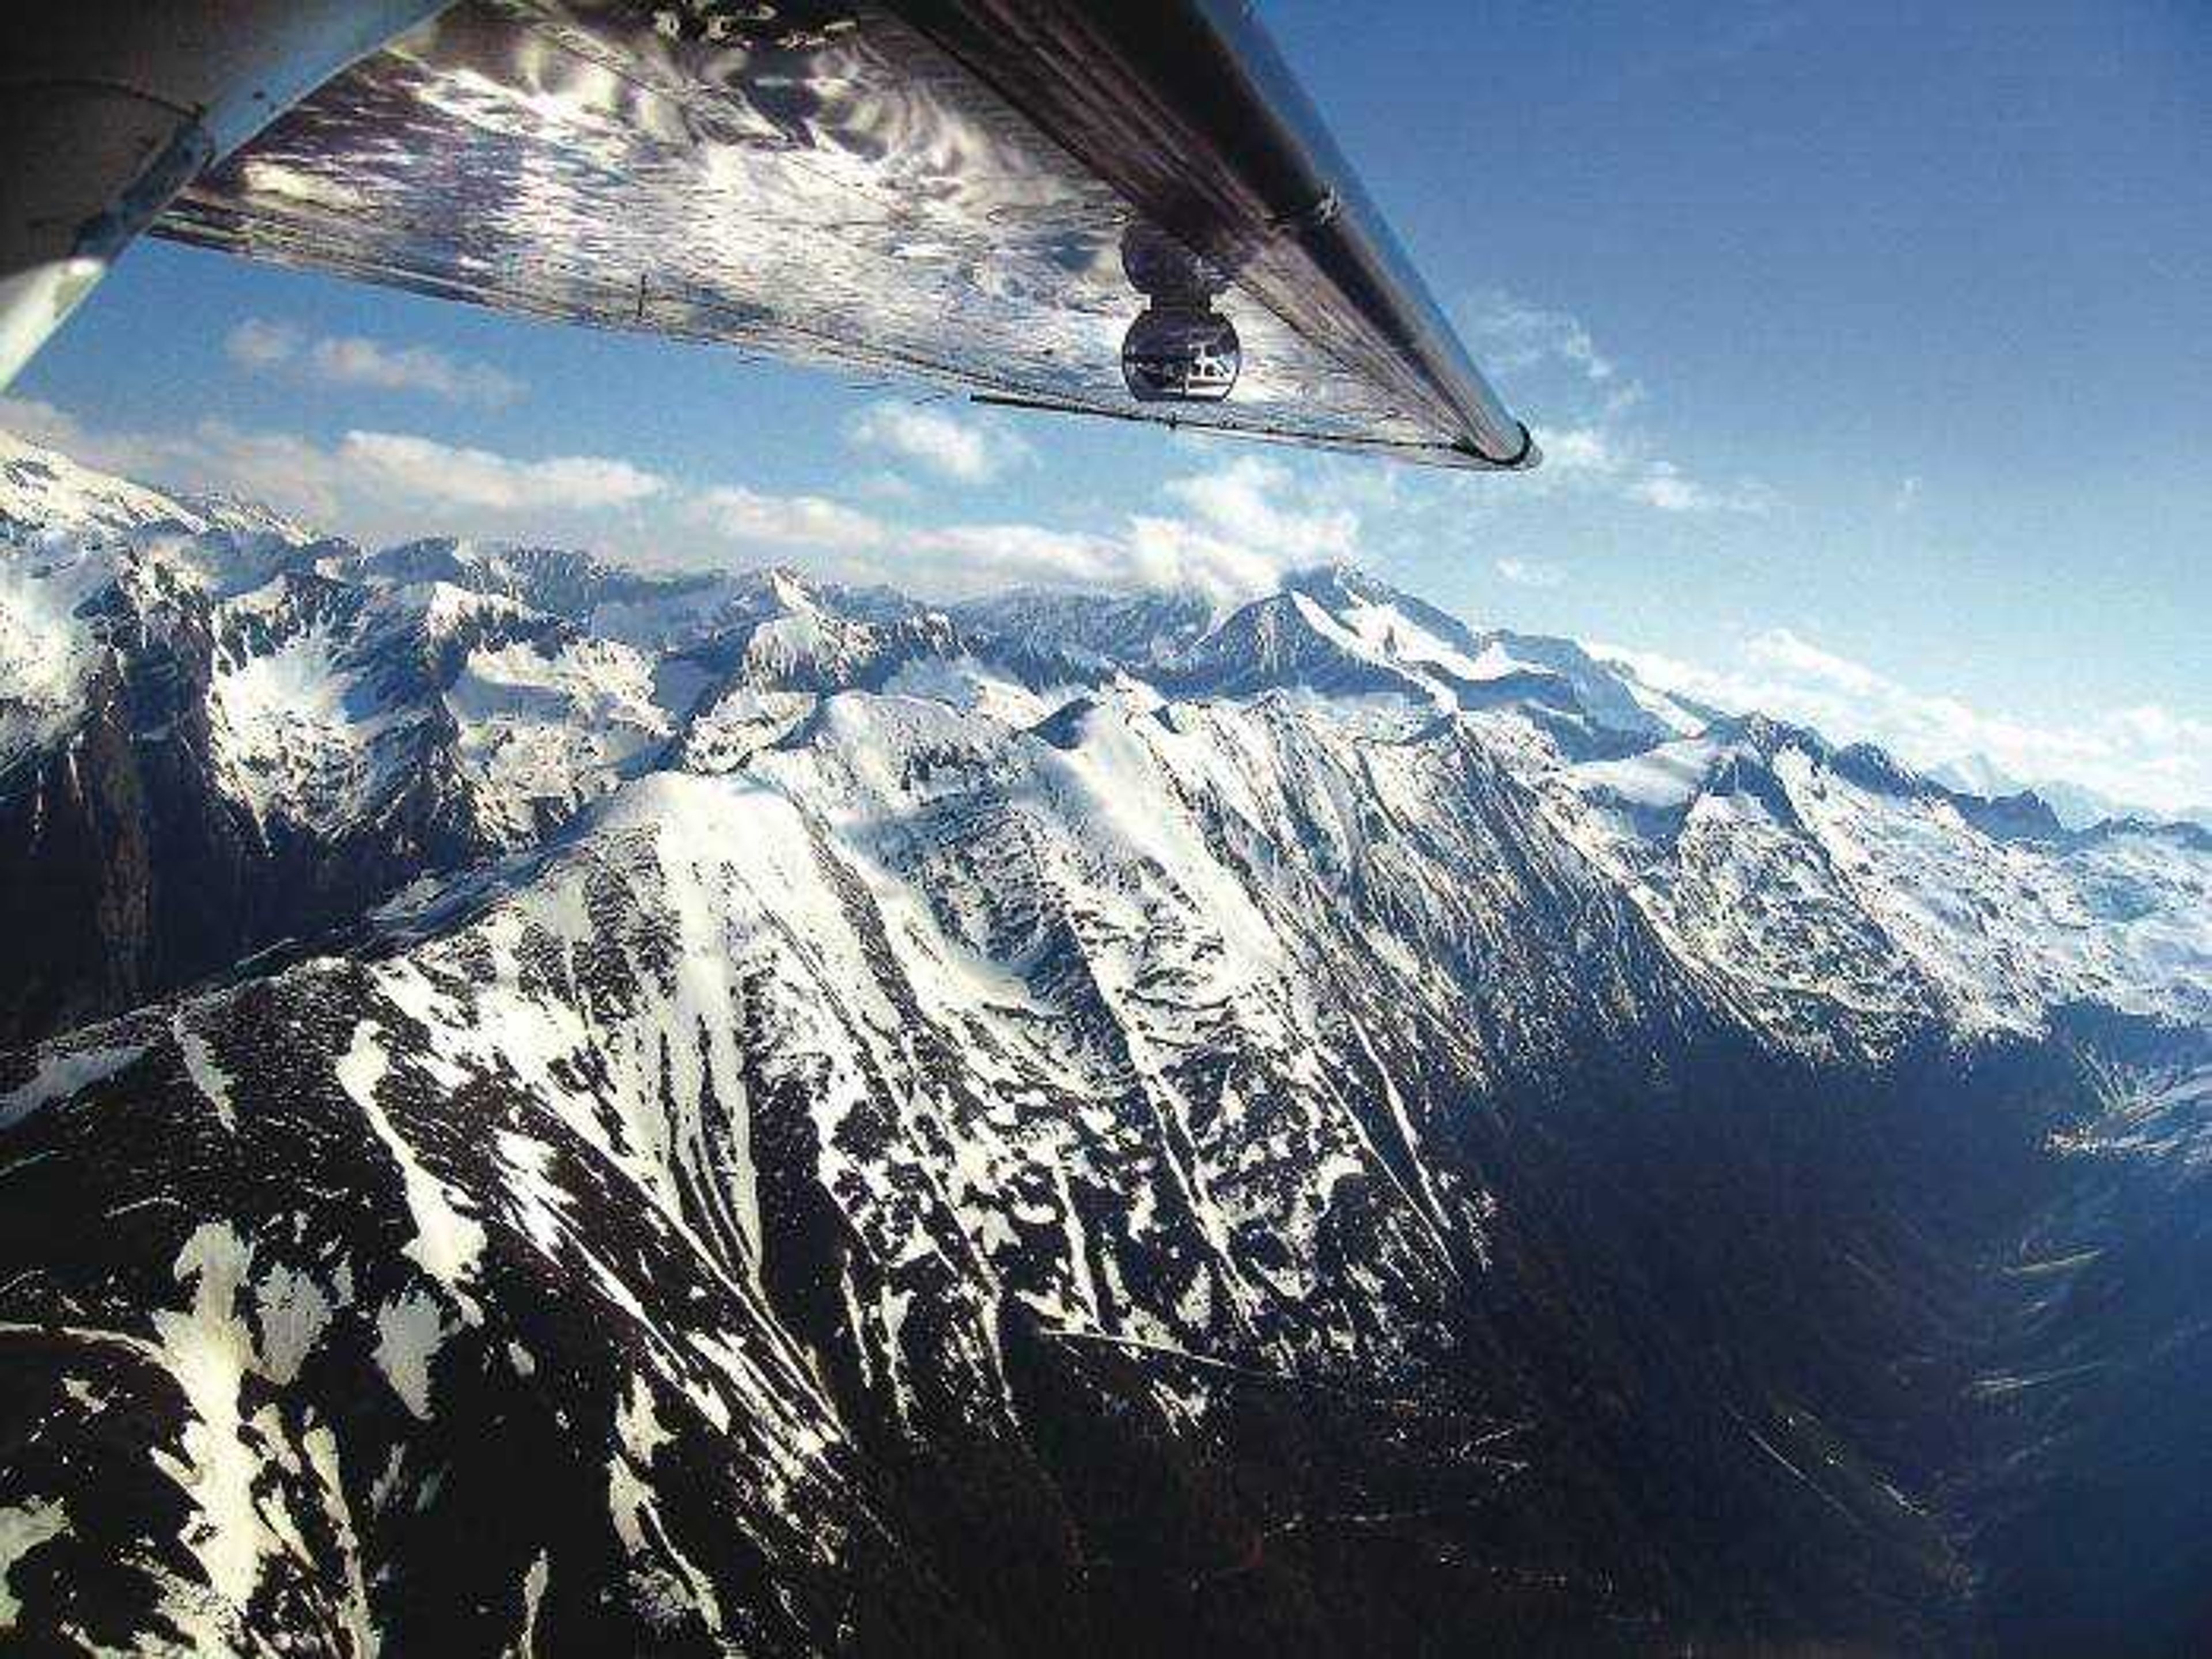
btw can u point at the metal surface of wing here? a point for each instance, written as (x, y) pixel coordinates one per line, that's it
(935, 188)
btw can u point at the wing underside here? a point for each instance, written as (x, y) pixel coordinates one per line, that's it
(927, 190)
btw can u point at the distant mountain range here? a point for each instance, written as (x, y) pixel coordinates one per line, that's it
(551, 1107)
(2077, 807)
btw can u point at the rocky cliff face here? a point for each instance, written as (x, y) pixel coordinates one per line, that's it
(557, 1110)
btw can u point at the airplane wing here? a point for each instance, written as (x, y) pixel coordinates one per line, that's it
(1122, 208)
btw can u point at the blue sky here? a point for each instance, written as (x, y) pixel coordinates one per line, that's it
(1871, 345)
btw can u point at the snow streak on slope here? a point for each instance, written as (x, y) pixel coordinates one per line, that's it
(1841, 897)
(782, 1119)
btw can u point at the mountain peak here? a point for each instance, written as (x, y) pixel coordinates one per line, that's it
(44, 488)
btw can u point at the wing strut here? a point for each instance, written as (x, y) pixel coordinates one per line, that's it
(109, 107)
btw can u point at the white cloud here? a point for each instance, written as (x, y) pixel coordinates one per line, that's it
(358, 362)
(2145, 753)
(1229, 531)
(1517, 336)
(1529, 573)
(1907, 496)
(1263, 504)
(1149, 551)
(1600, 456)
(41, 422)
(936, 439)
(261, 346)
(747, 517)
(428, 471)
(285, 471)
(368, 484)
(1661, 484)
(1158, 551)
(887, 486)
(1598, 441)
(976, 558)
(1581, 450)
(1243, 525)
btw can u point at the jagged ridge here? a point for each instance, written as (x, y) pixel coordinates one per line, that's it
(792, 1121)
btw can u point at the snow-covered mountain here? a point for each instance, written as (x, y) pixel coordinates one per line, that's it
(557, 1108)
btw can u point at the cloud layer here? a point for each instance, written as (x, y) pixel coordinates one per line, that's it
(1243, 525)
(938, 441)
(1227, 531)
(1598, 439)
(369, 485)
(426, 470)
(263, 347)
